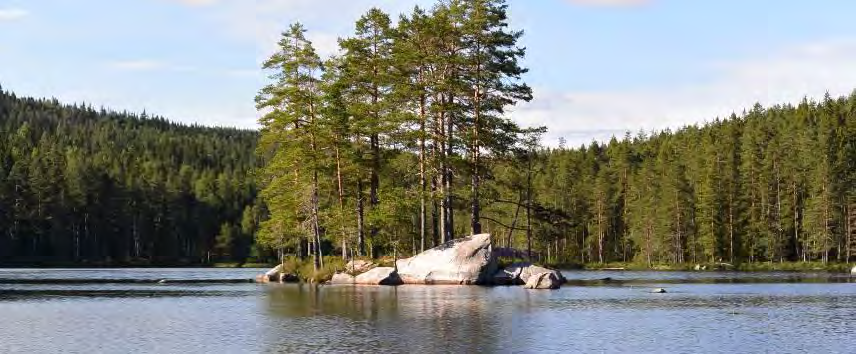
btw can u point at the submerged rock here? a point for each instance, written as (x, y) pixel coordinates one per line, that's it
(519, 274)
(658, 291)
(466, 260)
(545, 280)
(379, 276)
(342, 278)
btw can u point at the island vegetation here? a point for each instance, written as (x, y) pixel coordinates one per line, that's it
(404, 140)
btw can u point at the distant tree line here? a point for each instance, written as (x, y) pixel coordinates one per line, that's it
(87, 186)
(769, 185)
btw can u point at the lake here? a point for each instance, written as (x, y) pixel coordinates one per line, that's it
(214, 311)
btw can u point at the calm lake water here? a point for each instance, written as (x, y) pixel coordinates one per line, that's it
(209, 311)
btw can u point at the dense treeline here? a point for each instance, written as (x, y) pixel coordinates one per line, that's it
(80, 185)
(401, 142)
(775, 184)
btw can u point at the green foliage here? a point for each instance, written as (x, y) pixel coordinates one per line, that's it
(80, 185)
(342, 139)
(767, 186)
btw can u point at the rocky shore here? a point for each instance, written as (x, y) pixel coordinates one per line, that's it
(463, 261)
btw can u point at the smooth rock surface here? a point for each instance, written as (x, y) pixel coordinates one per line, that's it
(853, 271)
(519, 274)
(275, 274)
(545, 280)
(274, 271)
(658, 291)
(343, 278)
(379, 276)
(357, 266)
(466, 260)
(271, 275)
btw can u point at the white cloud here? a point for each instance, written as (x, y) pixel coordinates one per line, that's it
(12, 14)
(785, 76)
(325, 44)
(610, 3)
(262, 21)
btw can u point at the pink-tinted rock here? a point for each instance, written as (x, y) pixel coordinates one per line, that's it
(466, 260)
(379, 276)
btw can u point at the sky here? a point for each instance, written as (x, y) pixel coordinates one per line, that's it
(599, 68)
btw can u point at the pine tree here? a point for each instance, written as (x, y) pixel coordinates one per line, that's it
(291, 133)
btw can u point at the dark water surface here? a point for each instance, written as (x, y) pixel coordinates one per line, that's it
(214, 311)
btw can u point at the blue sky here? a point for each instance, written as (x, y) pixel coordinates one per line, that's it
(598, 67)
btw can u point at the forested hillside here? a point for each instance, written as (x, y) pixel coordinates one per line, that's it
(775, 184)
(86, 186)
(402, 141)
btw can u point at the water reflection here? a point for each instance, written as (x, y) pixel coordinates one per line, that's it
(702, 312)
(389, 319)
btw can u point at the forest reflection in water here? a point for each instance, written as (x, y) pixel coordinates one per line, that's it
(129, 311)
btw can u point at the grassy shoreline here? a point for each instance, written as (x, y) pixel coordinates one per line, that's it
(720, 266)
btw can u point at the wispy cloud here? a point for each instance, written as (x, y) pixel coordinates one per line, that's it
(138, 65)
(196, 2)
(12, 14)
(262, 21)
(149, 65)
(610, 3)
(784, 76)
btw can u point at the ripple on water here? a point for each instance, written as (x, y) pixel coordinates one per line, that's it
(762, 315)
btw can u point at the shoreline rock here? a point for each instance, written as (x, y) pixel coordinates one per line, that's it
(275, 274)
(342, 279)
(379, 276)
(463, 261)
(519, 274)
(358, 266)
(544, 280)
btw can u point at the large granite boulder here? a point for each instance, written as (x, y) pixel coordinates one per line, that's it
(466, 260)
(519, 274)
(358, 266)
(343, 278)
(545, 280)
(379, 276)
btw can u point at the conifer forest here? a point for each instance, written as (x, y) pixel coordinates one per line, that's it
(405, 139)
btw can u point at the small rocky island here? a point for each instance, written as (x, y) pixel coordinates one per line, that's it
(463, 261)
